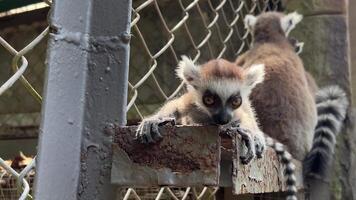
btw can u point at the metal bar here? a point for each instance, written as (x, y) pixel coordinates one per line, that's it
(86, 90)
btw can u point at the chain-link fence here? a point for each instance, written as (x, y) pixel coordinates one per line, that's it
(162, 31)
(14, 105)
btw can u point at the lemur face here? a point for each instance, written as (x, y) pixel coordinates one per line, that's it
(220, 87)
(220, 107)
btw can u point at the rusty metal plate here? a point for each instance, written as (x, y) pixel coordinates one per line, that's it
(186, 156)
(263, 175)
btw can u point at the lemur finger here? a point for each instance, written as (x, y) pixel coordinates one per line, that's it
(229, 129)
(138, 132)
(146, 133)
(156, 135)
(259, 146)
(250, 154)
(249, 143)
(166, 120)
(235, 123)
(259, 150)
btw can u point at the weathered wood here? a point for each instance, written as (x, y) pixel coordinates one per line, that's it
(263, 175)
(190, 156)
(185, 156)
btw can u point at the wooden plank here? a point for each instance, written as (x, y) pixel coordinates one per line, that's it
(191, 156)
(186, 156)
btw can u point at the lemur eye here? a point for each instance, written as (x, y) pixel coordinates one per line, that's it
(236, 102)
(208, 100)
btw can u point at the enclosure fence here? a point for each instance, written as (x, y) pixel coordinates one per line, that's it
(162, 31)
(19, 64)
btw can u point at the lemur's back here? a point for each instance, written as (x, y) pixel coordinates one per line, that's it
(284, 105)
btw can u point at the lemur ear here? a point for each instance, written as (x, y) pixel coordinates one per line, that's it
(250, 22)
(289, 21)
(188, 71)
(299, 47)
(254, 75)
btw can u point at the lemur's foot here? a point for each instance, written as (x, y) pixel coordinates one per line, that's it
(260, 145)
(148, 130)
(234, 128)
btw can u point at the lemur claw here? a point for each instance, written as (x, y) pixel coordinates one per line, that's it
(249, 143)
(148, 130)
(259, 146)
(233, 128)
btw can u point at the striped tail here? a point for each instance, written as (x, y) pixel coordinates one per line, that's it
(289, 172)
(332, 106)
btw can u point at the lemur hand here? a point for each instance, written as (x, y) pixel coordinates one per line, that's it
(260, 144)
(234, 128)
(249, 141)
(148, 130)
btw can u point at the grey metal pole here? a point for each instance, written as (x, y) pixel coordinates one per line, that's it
(86, 89)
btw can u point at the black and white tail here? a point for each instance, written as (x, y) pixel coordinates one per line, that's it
(332, 106)
(289, 171)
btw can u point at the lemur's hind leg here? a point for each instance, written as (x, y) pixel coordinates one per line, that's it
(148, 130)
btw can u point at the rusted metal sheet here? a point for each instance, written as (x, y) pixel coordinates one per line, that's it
(186, 156)
(263, 175)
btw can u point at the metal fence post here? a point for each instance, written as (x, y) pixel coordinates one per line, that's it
(86, 89)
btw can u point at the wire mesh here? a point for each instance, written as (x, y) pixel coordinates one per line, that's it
(19, 64)
(162, 31)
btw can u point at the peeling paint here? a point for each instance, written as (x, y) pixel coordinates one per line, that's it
(186, 156)
(263, 175)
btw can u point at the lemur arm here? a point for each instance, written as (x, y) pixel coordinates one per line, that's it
(173, 108)
(248, 121)
(148, 130)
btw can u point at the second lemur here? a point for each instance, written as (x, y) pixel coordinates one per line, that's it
(285, 103)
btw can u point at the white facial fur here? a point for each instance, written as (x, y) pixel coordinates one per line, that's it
(252, 76)
(190, 74)
(289, 22)
(224, 87)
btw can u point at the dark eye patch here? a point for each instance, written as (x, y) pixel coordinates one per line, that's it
(207, 95)
(234, 101)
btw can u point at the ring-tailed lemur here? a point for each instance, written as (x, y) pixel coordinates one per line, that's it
(285, 102)
(218, 93)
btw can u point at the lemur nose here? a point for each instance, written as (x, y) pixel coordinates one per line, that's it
(222, 118)
(223, 121)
